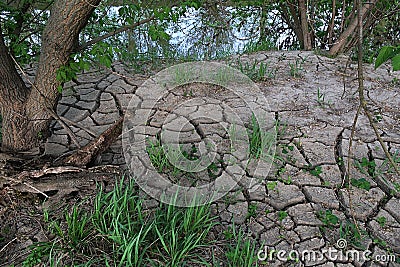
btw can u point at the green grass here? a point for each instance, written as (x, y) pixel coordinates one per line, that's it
(117, 230)
(297, 67)
(120, 232)
(256, 71)
(260, 142)
(158, 158)
(241, 251)
(265, 45)
(166, 164)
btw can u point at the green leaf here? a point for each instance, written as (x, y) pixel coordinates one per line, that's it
(271, 185)
(396, 62)
(361, 183)
(381, 220)
(282, 215)
(63, 75)
(386, 53)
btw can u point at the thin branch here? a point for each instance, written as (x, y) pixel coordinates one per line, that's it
(346, 180)
(363, 102)
(91, 133)
(107, 35)
(6, 245)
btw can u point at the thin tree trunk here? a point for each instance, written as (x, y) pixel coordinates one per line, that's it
(296, 24)
(304, 25)
(332, 23)
(263, 24)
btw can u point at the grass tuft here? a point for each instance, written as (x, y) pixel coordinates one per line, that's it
(118, 230)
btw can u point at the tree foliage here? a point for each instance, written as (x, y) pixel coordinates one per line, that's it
(389, 53)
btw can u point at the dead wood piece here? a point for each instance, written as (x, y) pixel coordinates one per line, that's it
(63, 183)
(87, 154)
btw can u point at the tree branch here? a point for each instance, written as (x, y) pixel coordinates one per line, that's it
(107, 35)
(350, 31)
(363, 102)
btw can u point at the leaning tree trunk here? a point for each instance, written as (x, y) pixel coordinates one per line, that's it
(350, 33)
(25, 112)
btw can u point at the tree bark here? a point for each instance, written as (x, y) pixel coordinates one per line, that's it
(350, 33)
(263, 25)
(295, 22)
(332, 23)
(88, 154)
(25, 112)
(13, 94)
(307, 45)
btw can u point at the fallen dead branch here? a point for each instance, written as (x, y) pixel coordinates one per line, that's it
(87, 154)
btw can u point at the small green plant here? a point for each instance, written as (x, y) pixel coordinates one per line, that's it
(256, 71)
(158, 157)
(260, 142)
(381, 220)
(287, 181)
(229, 233)
(315, 171)
(366, 166)
(361, 183)
(395, 81)
(379, 242)
(282, 215)
(378, 116)
(192, 154)
(384, 167)
(287, 148)
(252, 211)
(297, 67)
(352, 234)
(272, 185)
(328, 218)
(188, 94)
(321, 99)
(212, 170)
(241, 251)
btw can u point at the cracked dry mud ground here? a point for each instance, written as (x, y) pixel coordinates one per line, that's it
(290, 209)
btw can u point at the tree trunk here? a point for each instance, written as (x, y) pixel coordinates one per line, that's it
(294, 22)
(332, 24)
(25, 111)
(263, 24)
(350, 33)
(307, 45)
(296, 18)
(13, 94)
